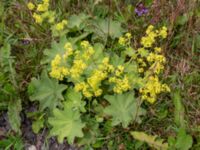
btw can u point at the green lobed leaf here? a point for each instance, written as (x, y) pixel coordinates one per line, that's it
(91, 131)
(102, 28)
(75, 21)
(66, 123)
(123, 108)
(110, 27)
(47, 91)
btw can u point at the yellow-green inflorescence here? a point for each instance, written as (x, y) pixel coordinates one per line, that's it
(41, 12)
(91, 86)
(149, 59)
(151, 64)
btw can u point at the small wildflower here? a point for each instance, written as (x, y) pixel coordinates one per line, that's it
(163, 32)
(30, 6)
(128, 35)
(141, 70)
(157, 49)
(42, 7)
(122, 41)
(38, 18)
(141, 9)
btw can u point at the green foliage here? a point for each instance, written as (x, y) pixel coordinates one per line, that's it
(38, 124)
(12, 142)
(66, 123)
(183, 141)
(109, 27)
(152, 141)
(76, 22)
(9, 88)
(47, 91)
(181, 20)
(56, 48)
(91, 132)
(105, 121)
(179, 109)
(14, 109)
(74, 100)
(123, 108)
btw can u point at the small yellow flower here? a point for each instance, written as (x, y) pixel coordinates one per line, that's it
(43, 7)
(149, 29)
(84, 44)
(122, 41)
(77, 68)
(163, 32)
(38, 18)
(30, 6)
(105, 60)
(79, 86)
(98, 92)
(65, 71)
(141, 70)
(128, 35)
(64, 22)
(68, 45)
(157, 49)
(59, 26)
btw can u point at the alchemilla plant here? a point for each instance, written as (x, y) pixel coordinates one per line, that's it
(87, 85)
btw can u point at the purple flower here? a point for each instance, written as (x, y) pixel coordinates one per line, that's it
(141, 9)
(25, 42)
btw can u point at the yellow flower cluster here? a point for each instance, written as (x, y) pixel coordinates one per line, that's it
(88, 50)
(68, 50)
(30, 6)
(151, 35)
(149, 60)
(125, 40)
(152, 88)
(44, 6)
(84, 87)
(42, 12)
(157, 62)
(121, 84)
(77, 69)
(95, 80)
(92, 86)
(60, 26)
(57, 70)
(163, 32)
(151, 63)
